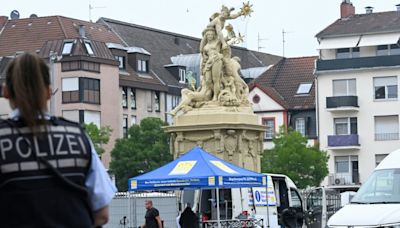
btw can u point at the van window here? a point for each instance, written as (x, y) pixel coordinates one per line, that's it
(382, 187)
(296, 200)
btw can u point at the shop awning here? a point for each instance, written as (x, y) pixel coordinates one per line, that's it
(339, 42)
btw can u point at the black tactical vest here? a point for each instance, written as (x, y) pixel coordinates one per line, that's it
(42, 176)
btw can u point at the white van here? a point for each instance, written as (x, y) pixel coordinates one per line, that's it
(377, 202)
(282, 206)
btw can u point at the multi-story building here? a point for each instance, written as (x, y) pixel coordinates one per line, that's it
(97, 79)
(284, 96)
(357, 92)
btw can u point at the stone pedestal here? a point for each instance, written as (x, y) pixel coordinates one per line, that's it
(230, 133)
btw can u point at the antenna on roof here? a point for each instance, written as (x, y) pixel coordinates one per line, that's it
(14, 15)
(284, 41)
(92, 8)
(259, 40)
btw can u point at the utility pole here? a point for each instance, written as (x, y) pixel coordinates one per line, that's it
(259, 40)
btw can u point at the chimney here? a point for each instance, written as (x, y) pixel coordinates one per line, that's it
(369, 9)
(82, 31)
(3, 20)
(347, 9)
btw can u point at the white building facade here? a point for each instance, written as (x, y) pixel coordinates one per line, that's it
(357, 83)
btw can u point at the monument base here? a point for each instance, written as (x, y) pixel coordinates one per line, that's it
(230, 133)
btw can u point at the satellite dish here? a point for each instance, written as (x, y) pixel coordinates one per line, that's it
(14, 15)
(33, 16)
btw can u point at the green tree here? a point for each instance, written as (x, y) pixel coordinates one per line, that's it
(306, 166)
(145, 149)
(99, 136)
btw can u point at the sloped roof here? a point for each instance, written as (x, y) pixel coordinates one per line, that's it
(30, 34)
(283, 79)
(163, 45)
(363, 24)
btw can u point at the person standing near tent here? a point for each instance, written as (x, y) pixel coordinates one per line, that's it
(152, 217)
(51, 175)
(188, 218)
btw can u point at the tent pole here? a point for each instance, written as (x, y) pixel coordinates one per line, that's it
(218, 214)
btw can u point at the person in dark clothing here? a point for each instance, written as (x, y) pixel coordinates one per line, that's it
(51, 175)
(188, 218)
(152, 217)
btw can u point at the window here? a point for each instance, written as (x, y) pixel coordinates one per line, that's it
(72, 115)
(133, 98)
(393, 49)
(89, 90)
(385, 88)
(80, 65)
(270, 128)
(379, 158)
(304, 88)
(124, 97)
(125, 126)
(301, 125)
(67, 48)
(346, 53)
(386, 128)
(121, 61)
(346, 87)
(345, 126)
(90, 117)
(70, 90)
(342, 164)
(142, 66)
(133, 120)
(182, 75)
(355, 52)
(157, 101)
(89, 48)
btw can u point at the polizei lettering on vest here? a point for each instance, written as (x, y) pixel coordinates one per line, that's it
(54, 145)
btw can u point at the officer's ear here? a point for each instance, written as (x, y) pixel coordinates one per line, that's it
(6, 93)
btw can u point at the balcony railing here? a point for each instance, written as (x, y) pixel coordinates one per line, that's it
(342, 101)
(357, 63)
(343, 140)
(344, 178)
(386, 136)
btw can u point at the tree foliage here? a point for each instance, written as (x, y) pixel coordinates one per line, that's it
(145, 149)
(306, 166)
(99, 136)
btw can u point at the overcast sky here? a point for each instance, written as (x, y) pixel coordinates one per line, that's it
(302, 19)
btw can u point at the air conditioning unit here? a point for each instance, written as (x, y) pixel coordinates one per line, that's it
(339, 181)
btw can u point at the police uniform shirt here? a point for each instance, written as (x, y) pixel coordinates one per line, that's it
(101, 189)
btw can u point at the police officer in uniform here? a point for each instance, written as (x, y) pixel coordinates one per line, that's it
(50, 174)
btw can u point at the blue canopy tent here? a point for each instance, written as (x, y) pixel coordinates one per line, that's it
(197, 169)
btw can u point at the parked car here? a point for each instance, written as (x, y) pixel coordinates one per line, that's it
(377, 202)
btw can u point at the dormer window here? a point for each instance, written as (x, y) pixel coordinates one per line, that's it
(142, 66)
(89, 48)
(67, 47)
(304, 88)
(182, 76)
(121, 60)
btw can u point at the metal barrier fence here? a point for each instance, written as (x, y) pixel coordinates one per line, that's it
(127, 209)
(235, 223)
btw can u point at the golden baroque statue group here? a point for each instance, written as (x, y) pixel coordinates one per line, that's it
(220, 81)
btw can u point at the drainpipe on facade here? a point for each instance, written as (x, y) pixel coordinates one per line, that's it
(52, 59)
